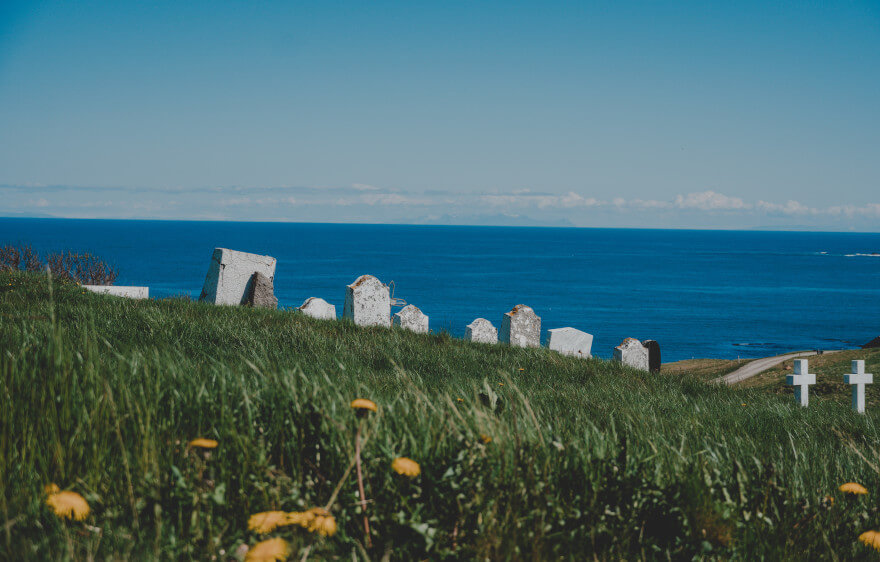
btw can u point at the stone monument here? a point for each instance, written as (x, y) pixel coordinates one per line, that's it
(318, 308)
(368, 302)
(261, 293)
(801, 381)
(481, 331)
(411, 318)
(120, 291)
(653, 355)
(231, 273)
(632, 353)
(569, 341)
(858, 379)
(521, 327)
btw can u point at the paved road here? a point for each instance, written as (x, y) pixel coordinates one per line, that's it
(760, 365)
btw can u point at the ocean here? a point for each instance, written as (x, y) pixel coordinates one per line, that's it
(703, 294)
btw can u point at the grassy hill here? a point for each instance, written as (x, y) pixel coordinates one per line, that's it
(524, 454)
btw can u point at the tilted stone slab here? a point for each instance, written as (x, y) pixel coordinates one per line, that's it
(411, 318)
(632, 353)
(318, 308)
(570, 341)
(262, 292)
(368, 302)
(120, 291)
(481, 331)
(230, 276)
(521, 327)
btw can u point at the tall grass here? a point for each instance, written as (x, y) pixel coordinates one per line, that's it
(525, 454)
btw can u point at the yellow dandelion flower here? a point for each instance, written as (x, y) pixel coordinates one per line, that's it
(485, 438)
(69, 505)
(269, 550)
(301, 518)
(853, 488)
(322, 522)
(870, 539)
(267, 521)
(460, 399)
(203, 443)
(363, 404)
(50, 489)
(406, 467)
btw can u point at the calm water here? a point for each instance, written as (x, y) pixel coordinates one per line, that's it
(699, 293)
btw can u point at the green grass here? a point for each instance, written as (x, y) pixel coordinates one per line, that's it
(587, 460)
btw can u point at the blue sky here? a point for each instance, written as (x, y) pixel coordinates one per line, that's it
(642, 114)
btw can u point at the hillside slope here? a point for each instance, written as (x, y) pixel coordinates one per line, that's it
(524, 454)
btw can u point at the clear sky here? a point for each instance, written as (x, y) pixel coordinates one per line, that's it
(666, 114)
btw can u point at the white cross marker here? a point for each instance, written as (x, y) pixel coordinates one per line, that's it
(858, 379)
(801, 380)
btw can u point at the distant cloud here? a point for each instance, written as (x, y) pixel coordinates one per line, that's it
(361, 202)
(789, 208)
(523, 198)
(710, 201)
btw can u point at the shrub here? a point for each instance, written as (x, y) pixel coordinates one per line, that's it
(65, 266)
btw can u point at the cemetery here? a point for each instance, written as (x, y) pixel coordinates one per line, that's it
(241, 278)
(504, 424)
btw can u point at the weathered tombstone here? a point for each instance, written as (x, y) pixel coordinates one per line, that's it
(632, 353)
(521, 327)
(368, 302)
(261, 293)
(411, 318)
(120, 291)
(801, 381)
(318, 308)
(231, 273)
(569, 341)
(858, 379)
(481, 331)
(653, 355)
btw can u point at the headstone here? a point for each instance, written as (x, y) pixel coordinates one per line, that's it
(858, 379)
(368, 302)
(318, 308)
(261, 293)
(231, 273)
(569, 341)
(481, 331)
(411, 318)
(120, 291)
(521, 327)
(801, 380)
(632, 353)
(653, 355)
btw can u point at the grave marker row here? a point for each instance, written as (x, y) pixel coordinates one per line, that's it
(802, 379)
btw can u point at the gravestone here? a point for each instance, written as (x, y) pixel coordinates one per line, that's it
(632, 353)
(318, 308)
(653, 355)
(858, 379)
(481, 331)
(231, 273)
(569, 341)
(368, 302)
(261, 293)
(521, 327)
(411, 318)
(120, 291)
(801, 381)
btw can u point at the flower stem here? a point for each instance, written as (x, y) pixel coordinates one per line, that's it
(357, 460)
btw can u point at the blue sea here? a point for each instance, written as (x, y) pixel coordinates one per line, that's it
(718, 294)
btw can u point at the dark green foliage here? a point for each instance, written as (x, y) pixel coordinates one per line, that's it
(525, 454)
